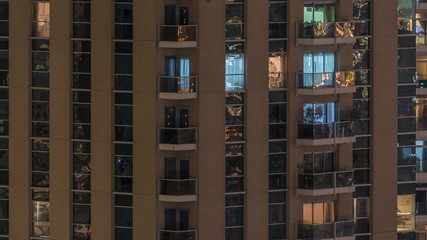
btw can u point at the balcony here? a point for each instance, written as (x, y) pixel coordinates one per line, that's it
(178, 235)
(326, 33)
(177, 190)
(325, 83)
(317, 184)
(177, 139)
(342, 230)
(177, 36)
(325, 133)
(177, 88)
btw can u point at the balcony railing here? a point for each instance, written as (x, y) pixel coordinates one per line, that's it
(326, 83)
(178, 235)
(333, 230)
(177, 87)
(326, 33)
(177, 36)
(325, 133)
(316, 184)
(177, 190)
(177, 139)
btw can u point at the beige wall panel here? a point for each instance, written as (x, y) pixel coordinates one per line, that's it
(384, 124)
(211, 154)
(102, 117)
(19, 96)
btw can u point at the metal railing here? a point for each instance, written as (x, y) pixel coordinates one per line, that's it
(340, 79)
(177, 135)
(178, 235)
(178, 33)
(177, 84)
(325, 130)
(316, 181)
(177, 187)
(332, 230)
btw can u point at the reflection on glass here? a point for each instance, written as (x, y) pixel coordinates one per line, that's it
(40, 219)
(405, 212)
(276, 70)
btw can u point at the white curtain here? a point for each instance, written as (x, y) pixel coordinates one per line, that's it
(308, 70)
(318, 69)
(329, 68)
(184, 73)
(234, 72)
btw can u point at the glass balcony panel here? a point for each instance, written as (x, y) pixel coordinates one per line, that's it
(178, 235)
(344, 29)
(316, 30)
(315, 181)
(177, 135)
(344, 79)
(344, 129)
(344, 179)
(331, 230)
(315, 231)
(177, 33)
(315, 131)
(177, 187)
(344, 229)
(326, 80)
(177, 84)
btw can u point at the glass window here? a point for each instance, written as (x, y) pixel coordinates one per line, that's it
(233, 216)
(277, 213)
(41, 19)
(123, 13)
(318, 69)
(319, 12)
(81, 12)
(234, 72)
(318, 212)
(361, 207)
(234, 166)
(405, 212)
(276, 70)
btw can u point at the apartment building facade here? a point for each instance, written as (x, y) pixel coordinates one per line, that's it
(211, 119)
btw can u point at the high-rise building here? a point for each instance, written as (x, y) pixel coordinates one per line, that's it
(213, 119)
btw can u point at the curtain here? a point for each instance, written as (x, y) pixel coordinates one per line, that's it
(184, 73)
(319, 69)
(234, 72)
(329, 68)
(307, 70)
(170, 63)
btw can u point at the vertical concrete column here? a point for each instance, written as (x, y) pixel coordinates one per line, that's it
(256, 121)
(102, 119)
(60, 120)
(19, 119)
(294, 115)
(211, 146)
(384, 119)
(144, 118)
